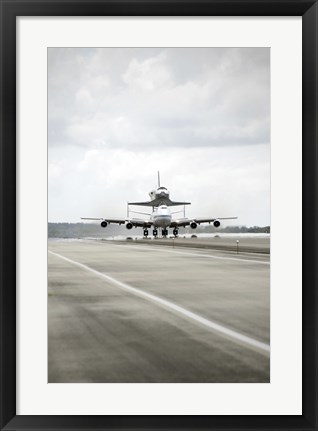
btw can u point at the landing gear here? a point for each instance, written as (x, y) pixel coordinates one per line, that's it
(175, 232)
(146, 233)
(155, 233)
(164, 232)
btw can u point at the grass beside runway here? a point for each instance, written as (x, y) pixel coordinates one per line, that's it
(245, 245)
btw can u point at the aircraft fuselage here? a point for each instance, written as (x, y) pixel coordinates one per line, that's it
(161, 217)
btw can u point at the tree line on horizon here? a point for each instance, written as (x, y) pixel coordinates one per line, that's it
(83, 230)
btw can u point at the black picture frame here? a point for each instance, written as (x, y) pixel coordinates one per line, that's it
(10, 9)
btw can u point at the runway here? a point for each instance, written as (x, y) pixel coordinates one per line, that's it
(126, 312)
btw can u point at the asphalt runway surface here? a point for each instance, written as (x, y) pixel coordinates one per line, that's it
(126, 312)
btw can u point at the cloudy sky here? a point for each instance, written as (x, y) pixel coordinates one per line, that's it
(201, 116)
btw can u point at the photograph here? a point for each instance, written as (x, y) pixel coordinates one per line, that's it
(158, 207)
(159, 214)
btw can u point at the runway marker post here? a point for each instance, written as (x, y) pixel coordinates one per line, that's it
(237, 246)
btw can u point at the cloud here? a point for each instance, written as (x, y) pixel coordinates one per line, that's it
(150, 75)
(223, 102)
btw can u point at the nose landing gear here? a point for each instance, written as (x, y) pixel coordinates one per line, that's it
(164, 232)
(155, 233)
(175, 232)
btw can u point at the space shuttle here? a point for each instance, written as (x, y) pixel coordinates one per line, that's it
(159, 196)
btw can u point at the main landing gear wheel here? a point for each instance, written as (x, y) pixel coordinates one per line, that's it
(175, 232)
(155, 233)
(146, 233)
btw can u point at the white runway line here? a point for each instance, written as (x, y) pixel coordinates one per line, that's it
(264, 348)
(210, 256)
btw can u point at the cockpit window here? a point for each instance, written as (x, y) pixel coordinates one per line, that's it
(162, 188)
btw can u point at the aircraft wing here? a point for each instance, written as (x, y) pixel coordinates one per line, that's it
(159, 201)
(141, 223)
(176, 203)
(135, 222)
(210, 220)
(109, 220)
(144, 204)
(183, 222)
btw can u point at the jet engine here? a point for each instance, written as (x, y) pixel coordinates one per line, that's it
(103, 223)
(193, 225)
(216, 223)
(129, 225)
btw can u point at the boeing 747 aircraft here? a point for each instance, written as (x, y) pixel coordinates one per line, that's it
(161, 217)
